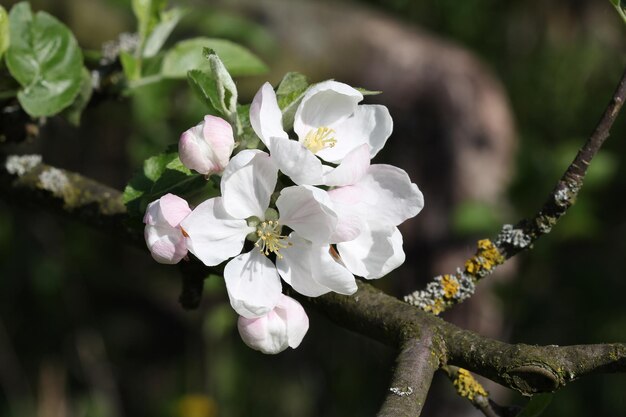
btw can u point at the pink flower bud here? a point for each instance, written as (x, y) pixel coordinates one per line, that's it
(163, 234)
(206, 147)
(283, 327)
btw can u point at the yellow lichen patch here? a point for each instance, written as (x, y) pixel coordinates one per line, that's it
(467, 386)
(450, 285)
(487, 257)
(437, 307)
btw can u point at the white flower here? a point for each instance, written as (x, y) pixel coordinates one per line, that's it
(282, 327)
(330, 125)
(206, 147)
(163, 235)
(217, 231)
(375, 205)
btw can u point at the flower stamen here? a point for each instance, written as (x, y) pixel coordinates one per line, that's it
(320, 138)
(270, 240)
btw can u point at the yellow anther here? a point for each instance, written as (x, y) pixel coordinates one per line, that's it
(320, 138)
(270, 240)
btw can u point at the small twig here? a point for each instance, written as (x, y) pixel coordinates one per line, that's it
(448, 290)
(467, 387)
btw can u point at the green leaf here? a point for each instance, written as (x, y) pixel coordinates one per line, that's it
(147, 13)
(164, 173)
(248, 139)
(620, 8)
(162, 31)
(75, 110)
(536, 406)
(289, 94)
(367, 92)
(205, 88)
(4, 31)
(186, 56)
(216, 88)
(45, 59)
(130, 65)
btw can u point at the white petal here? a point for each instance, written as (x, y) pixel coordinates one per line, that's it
(330, 273)
(296, 269)
(352, 213)
(390, 195)
(249, 184)
(371, 124)
(311, 270)
(308, 211)
(213, 234)
(351, 169)
(240, 160)
(325, 104)
(265, 115)
(374, 253)
(296, 161)
(252, 283)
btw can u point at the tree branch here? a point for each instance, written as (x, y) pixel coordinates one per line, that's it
(528, 369)
(416, 364)
(448, 290)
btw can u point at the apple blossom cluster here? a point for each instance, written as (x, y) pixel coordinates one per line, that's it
(312, 211)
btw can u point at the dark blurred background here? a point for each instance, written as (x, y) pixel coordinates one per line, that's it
(490, 99)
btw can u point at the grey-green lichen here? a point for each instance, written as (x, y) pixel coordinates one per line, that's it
(21, 164)
(449, 289)
(55, 181)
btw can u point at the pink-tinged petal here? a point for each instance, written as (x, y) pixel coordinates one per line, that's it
(374, 253)
(296, 269)
(351, 169)
(173, 209)
(297, 321)
(218, 134)
(388, 195)
(265, 115)
(296, 161)
(194, 152)
(163, 237)
(267, 334)
(330, 273)
(167, 245)
(253, 284)
(308, 211)
(212, 234)
(206, 148)
(247, 188)
(370, 124)
(324, 105)
(285, 326)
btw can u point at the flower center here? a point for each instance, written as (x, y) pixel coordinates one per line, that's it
(270, 239)
(320, 138)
